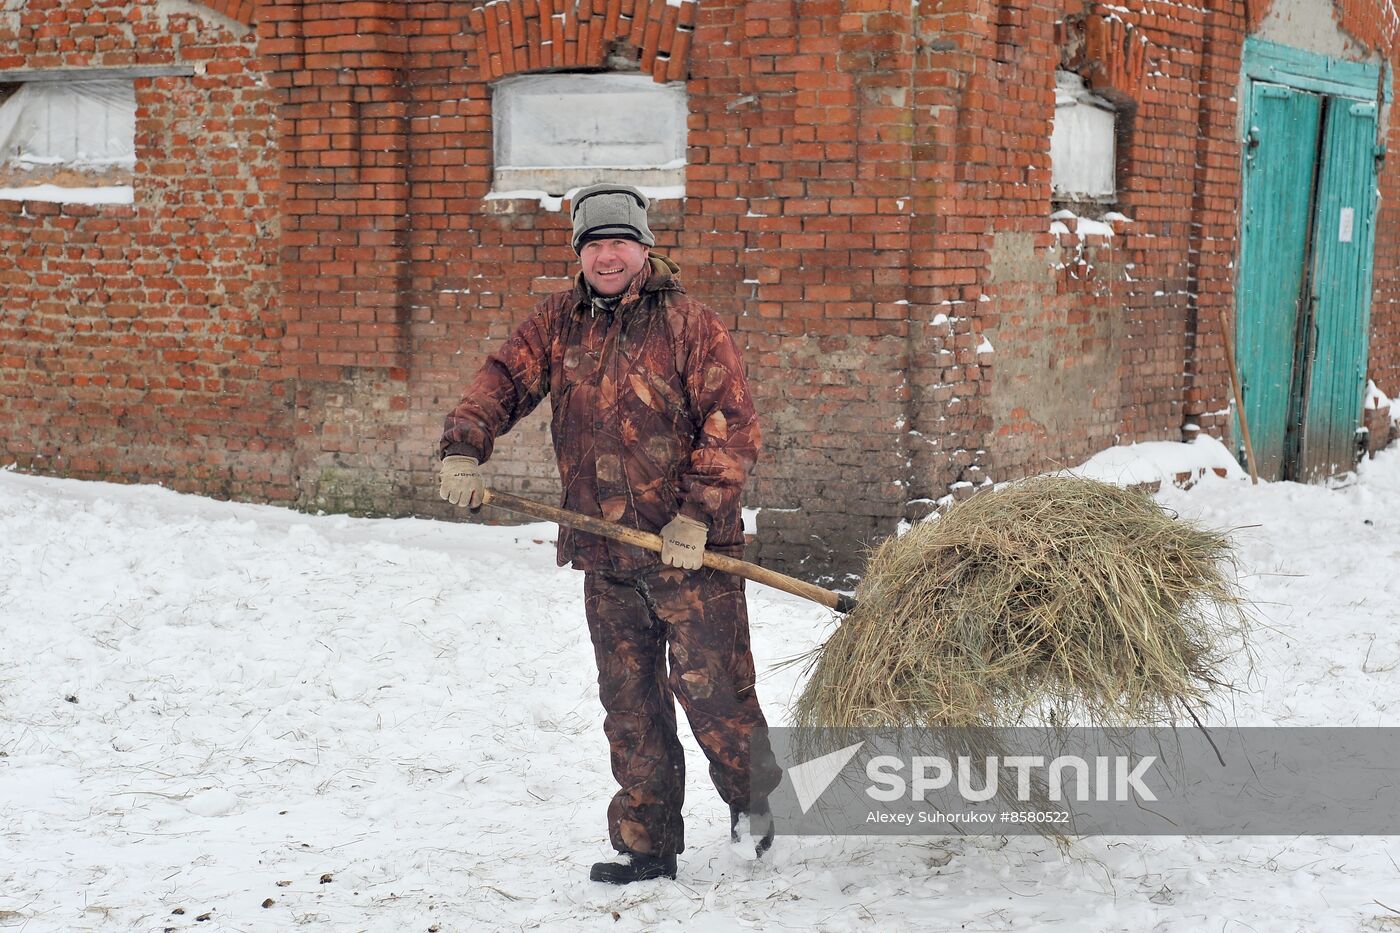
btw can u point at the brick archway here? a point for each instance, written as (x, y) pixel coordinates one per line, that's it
(245, 11)
(516, 36)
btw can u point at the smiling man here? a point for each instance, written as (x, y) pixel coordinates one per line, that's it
(653, 427)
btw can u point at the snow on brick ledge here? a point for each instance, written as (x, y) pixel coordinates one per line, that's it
(116, 194)
(1380, 419)
(1156, 462)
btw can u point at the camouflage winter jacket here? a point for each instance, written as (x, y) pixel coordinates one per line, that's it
(651, 413)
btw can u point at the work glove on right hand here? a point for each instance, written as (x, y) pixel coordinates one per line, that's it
(683, 543)
(460, 482)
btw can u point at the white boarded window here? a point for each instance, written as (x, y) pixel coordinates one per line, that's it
(1083, 156)
(79, 124)
(558, 132)
(63, 140)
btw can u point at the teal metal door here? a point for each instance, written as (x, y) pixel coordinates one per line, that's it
(1335, 343)
(1280, 165)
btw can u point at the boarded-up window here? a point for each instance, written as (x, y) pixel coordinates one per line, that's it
(83, 124)
(69, 134)
(555, 133)
(1082, 144)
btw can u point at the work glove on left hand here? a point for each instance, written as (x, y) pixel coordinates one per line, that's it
(683, 543)
(460, 482)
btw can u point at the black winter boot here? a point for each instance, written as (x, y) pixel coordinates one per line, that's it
(760, 825)
(634, 867)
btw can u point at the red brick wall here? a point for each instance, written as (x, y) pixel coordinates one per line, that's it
(517, 36)
(1376, 27)
(1086, 336)
(338, 68)
(868, 207)
(802, 157)
(141, 342)
(1385, 306)
(790, 229)
(987, 262)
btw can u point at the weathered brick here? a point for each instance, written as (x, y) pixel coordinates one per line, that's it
(310, 272)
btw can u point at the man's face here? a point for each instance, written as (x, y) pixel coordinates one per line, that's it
(610, 264)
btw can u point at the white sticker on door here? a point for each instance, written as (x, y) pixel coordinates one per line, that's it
(1344, 229)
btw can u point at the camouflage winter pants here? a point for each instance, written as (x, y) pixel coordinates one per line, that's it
(698, 621)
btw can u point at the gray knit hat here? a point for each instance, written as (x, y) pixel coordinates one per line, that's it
(608, 210)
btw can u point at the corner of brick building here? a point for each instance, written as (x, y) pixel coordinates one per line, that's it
(142, 341)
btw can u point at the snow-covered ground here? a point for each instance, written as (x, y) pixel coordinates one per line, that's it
(280, 721)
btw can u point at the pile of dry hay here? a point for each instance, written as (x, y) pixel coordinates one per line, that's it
(1063, 598)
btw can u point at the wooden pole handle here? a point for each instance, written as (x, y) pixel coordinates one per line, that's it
(651, 542)
(1239, 397)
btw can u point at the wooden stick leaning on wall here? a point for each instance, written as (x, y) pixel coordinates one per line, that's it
(1239, 398)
